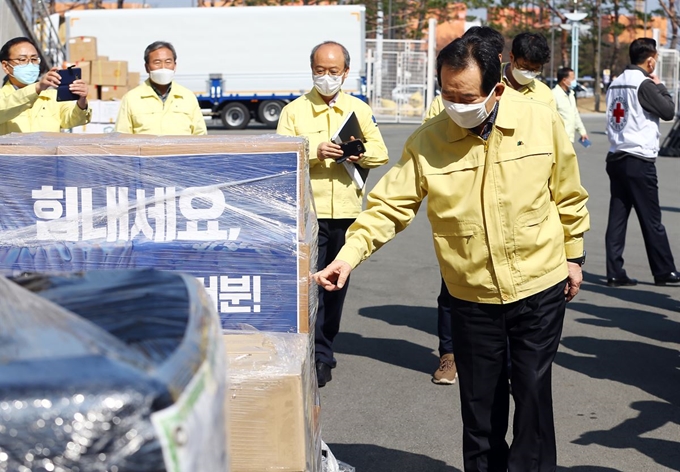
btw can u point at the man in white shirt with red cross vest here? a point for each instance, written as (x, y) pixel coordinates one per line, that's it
(635, 102)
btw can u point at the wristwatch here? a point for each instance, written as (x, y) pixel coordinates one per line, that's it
(579, 260)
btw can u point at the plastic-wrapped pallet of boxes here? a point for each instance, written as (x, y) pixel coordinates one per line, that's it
(234, 212)
(110, 371)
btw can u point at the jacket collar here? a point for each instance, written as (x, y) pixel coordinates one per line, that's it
(634, 67)
(505, 118)
(148, 90)
(319, 106)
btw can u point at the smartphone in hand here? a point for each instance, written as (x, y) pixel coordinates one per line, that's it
(351, 148)
(68, 76)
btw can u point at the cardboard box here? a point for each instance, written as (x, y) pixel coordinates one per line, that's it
(92, 93)
(102, 58)
(271, 403)
(82, 48)
(109, 73)
(133, 79)
(84, 66)
(108, 111)
(112, 92)
(93, 128)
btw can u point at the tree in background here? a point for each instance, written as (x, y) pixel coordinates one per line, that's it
(670, 10)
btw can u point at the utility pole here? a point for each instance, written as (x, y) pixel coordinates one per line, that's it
(598, 64)
(379, 51)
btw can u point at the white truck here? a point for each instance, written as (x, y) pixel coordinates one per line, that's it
(241, 62)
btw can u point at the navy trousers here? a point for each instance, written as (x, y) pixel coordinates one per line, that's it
(634, 184)
(481, 333)
(331, 240)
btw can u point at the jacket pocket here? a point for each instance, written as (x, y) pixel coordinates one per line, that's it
(463, 253)
(538, 242)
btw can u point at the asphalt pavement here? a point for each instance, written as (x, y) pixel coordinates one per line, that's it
(616, 378)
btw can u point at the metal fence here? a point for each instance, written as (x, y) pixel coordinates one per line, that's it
(34, 18)
(396, 79)
(668, 71)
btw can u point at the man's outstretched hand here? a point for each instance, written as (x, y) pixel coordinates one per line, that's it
(334, 276)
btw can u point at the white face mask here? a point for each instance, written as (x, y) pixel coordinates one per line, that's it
(467, 115)
(162, 76)
(328, 85)
(523, 77)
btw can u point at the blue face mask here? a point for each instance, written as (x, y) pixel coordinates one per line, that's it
(573, 84)
(27, 74)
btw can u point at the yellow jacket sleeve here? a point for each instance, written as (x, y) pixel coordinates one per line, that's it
(17, 102)
(392, 205)
(286, 127)
(569, 195)
(198, 122)
(124, 122)
(71, 115)
(376, 151)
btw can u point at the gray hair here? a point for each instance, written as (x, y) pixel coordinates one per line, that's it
(155, 46)
(345, 52)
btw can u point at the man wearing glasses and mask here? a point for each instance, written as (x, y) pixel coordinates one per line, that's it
(28, 102)
(530, 52)
(160, 105)
(317, 115)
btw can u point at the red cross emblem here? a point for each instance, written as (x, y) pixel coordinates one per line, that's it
(619, 112)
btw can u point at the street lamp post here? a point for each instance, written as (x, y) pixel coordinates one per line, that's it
(574, 25)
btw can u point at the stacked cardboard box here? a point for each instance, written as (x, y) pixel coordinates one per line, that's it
(271, 403)
(108, 79)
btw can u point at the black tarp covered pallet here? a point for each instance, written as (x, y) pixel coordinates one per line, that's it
(671, 145)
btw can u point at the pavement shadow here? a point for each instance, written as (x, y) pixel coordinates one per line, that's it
(598, 284)
(650, 325)
(397, 352)
(416, 317)
(586, 468)
(628, 435)
(653, 369)
(371, 458)
(671, 209)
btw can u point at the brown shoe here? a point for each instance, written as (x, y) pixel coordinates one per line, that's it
(447, 373)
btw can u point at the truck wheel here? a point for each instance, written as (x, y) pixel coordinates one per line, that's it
(269, 112)
(235, 116)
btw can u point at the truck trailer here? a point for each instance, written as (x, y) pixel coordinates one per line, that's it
(242, 63)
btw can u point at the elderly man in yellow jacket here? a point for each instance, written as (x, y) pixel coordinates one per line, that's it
(508, 214)
(30, 105)
(566, 104)
(317, 115)
(160, 105)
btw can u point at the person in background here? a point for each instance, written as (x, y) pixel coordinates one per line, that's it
(508, 214)
(317, 115)
(446, 373)
(530, 52)
(487, 34)
(29, 103)
(636, 100)
(160, 105)
(565, 101)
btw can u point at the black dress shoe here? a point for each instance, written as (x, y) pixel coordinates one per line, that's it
(672, 278)
(621, 282)
(323, 373)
